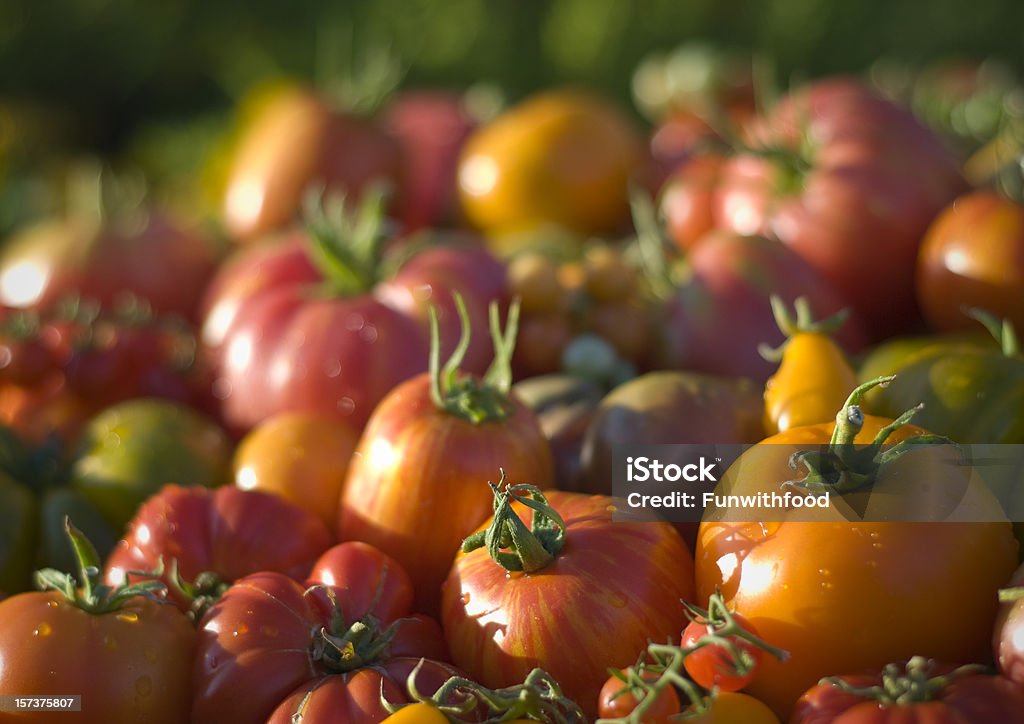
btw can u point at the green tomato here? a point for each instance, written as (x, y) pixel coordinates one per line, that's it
(131, 450)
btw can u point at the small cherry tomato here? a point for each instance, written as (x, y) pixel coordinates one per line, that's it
(612, 705)
(715, 665)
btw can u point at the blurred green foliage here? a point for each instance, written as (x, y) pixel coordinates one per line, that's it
(115, 65)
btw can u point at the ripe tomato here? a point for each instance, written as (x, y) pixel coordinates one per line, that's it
(844, 178)
(612, 704)
(919, 692)
(713, 665)
(735, 708)
(817, 589)
(1008, 637)
(222, 535)
(560, 158)
(973, 256)
(557, 612)
(325, 653)
(127, 655)
(419, 713)
(687, 199)
(426, 453)
(301, 457)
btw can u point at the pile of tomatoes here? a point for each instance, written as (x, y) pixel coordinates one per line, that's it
(349, 458)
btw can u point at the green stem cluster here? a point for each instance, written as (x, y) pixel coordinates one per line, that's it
(343, 646)
(800, 321)
(911, 683)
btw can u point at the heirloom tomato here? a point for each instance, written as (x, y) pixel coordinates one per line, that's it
(562, 158)
(687, 199)
(850, 182)
(273, 650)
(919, 691)
(127, 654)
(973, 256)
(307, 322)
(205, 539)
(572, 594)
(424, 452)
(908, 541)
(301, 457)
(1008, 638)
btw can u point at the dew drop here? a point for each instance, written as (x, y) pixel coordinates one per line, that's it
(241, 630)
(52, 604)
(42, 630)
(346, 405)
(465, 599)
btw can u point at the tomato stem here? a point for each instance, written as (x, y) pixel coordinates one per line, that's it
(1009, 595)
(509, 542)
(801, 321)
(907, 684)
(1002, 330)
(343, 647)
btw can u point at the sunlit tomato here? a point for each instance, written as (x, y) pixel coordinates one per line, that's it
(846, 179)
(295, 142)
(734, 708)
(925, 693)
(301, 457)
(845, 596)
(1008, 638)
(973, 256)
(225, 534)
(612, 704)
(325, 653)
(561, 613)
(713, 665)
(418, 714)
(561, 157)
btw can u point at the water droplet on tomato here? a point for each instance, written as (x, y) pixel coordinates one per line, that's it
(611, 508)
(241, 630)
(42, 630)
(52, 604)
(354, 322)
(369, 333)
(332, 368)
(346, 405)
(465, 599)
(144, 686)
(823, 571)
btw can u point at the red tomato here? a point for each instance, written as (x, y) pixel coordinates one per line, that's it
(849, 181)
(939, 697)
(973, 256)
(687, 198)
(1008, 638)
(227, 532)
(613, 705)
(714, 665)
(327, 652)
(611, 588)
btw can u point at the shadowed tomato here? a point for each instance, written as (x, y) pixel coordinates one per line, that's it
(325, 653)
(849, 181)
(214, 538)
(562, 158)
(615, 701)
(421, 459)
(687, 198)
(843, 595)
(973, 256)
(572, 594)
(126, 654)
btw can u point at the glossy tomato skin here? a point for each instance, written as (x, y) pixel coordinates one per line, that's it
(130, 665)
(295, 142)
(732, 279)
(259, 638)
(687, 199)
(712, 666)
(973, 256)
(561, 157)
(417, 485)
(974, 698)
(613, 705)
(818, 588)
(1008, 637)
(867, 182)
(499, 626)
(229, 532)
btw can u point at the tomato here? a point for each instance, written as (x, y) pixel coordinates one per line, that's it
(613, 704)
(147, 255)
(919, 691)
(294, 142)
(131, 450)
(1008, 637)
(419, 713)
(562, 158)
(734, 708)
(426, 453)
(818, 588)
(301, 456)
(329, 652)
(730, 281)
(845, 179)
(577, 579)
(687, 199)
(127, 655)
(814, 377)
(973, 256)
(285, 335)
(713, 665)
(221, 535)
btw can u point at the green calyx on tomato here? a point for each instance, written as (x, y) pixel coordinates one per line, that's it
(842, 467)
(347, 246)
(801, 321)
(345, 647)
(471, 399)
(509, 542)
(662, 666)
(538, 698)
(908, 684)
(87, 592)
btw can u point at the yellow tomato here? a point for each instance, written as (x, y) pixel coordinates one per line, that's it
(736, 708)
